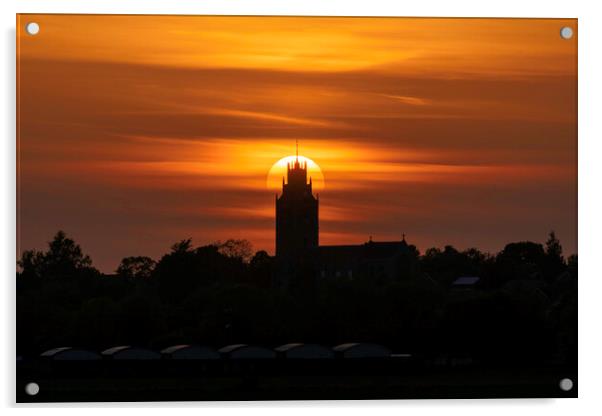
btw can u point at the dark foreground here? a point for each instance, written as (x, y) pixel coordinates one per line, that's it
(333, 379)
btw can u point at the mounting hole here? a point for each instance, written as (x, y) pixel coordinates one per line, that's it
(32, 28)
(566, 32)
(32, 389)
(566, 384)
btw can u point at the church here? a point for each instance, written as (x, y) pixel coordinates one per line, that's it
(302, 261)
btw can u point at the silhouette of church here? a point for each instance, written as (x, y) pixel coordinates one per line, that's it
(300, 260)
(296, 213)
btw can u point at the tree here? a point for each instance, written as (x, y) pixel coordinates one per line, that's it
(444, 266)
(136, 267)
(260, 259)
(31, 263)
(186, 268)
(261, 268)
(237, 249)
(181, 247)
(63, 258)
(176, 272)
(553, 247)
(555, 263)
(522, 260)
(475, 256)
(572, 263)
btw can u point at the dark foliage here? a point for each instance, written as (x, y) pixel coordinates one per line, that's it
(523, 308)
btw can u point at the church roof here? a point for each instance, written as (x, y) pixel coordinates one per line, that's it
(371, 250)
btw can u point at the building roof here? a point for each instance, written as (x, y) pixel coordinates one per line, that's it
(304, 351)
(372, 250)
(244, 351)
(70, 354)
(126, 352)
(466, 281)
(190, 352)
(362, 350)
(384, 249)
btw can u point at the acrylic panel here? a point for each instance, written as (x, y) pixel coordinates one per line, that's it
(260, 208)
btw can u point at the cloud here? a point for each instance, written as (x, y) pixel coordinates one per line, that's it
(407, 99)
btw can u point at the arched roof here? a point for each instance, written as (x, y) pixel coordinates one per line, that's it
(244, 351)
(362, 350)
(304, 351)
(190, 352)
(126, 352)
(70, 354)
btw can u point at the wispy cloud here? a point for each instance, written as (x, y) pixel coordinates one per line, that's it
(407, 99)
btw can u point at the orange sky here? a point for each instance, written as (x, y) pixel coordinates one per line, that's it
(136, 132)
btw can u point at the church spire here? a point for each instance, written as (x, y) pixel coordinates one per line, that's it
(296, 153)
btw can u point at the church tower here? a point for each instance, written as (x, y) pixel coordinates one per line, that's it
(296, 215)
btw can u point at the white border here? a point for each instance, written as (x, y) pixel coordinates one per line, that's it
(590, 183)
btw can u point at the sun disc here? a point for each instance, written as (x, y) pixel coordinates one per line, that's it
(278, 171)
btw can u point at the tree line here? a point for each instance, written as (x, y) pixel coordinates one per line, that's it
(524, 306)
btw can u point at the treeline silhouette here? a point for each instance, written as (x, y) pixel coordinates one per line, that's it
(523, 308)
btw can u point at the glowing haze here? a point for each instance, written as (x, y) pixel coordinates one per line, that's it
(137, 132)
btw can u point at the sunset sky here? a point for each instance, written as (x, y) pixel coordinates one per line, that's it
(137, 132)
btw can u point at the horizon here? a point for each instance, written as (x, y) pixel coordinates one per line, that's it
(421, 250)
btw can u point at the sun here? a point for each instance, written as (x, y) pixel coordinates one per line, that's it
(278, 171)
